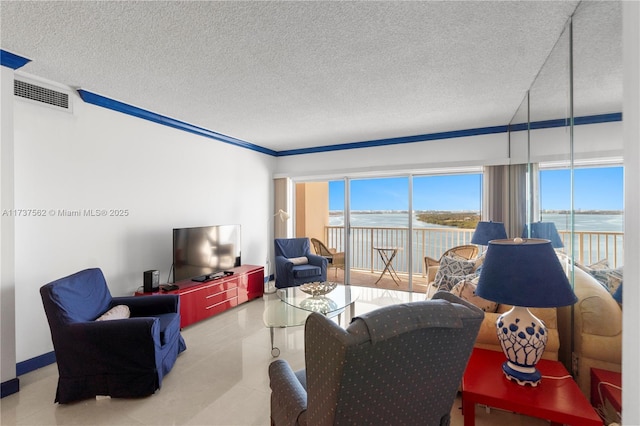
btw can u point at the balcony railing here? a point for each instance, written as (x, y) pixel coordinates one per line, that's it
(589, 247)
(592, 246)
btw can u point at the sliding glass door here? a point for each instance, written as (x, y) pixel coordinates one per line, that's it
(598, 230)
(446, 209)
(377, 231)
(336, 231)
(379, 234)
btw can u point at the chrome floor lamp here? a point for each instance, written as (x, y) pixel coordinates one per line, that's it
(284, 216)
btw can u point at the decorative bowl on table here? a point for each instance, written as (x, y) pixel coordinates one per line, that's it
(322, 305)
(318, 288)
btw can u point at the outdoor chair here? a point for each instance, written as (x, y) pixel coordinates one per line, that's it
(335, 260)
(468, 251)
(400, 364)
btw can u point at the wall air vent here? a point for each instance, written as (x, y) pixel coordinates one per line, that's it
(41, 94)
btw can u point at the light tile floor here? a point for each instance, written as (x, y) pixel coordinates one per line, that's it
(221, 379)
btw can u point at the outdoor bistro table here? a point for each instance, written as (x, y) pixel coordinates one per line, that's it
(387, 254)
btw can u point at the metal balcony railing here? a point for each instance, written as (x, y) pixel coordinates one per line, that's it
(589, 247)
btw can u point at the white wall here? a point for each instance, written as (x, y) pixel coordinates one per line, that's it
(7, 227)
(631, 292)
(100, 159)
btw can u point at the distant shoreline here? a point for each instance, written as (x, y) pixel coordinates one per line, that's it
(598, 212)
(584, 221)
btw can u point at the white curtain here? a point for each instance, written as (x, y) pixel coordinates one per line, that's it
(509, 197)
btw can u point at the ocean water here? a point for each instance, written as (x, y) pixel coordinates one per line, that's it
(583, 222)
(587, 222)
(388, 220)
(431, 243)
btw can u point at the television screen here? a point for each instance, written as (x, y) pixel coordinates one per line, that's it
(205, 250)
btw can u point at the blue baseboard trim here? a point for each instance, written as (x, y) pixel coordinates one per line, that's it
(9, 387)
(12, 386)
(35, 363)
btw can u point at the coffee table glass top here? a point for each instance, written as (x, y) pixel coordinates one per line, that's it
(331, 303)
(292, 307)
(278, 314)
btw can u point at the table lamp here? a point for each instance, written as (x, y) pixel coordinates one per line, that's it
(487, 231)
(524, 273)
(544, 230)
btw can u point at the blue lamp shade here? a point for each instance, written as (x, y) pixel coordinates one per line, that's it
(544, 230)
(487, 231)
(524, 272)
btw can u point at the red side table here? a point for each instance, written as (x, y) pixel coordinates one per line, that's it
(606, 389)
(557, 400)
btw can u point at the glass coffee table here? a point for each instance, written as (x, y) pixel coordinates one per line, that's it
(293, 306)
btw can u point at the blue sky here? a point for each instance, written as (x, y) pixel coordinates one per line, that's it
(595, 189)
(456, 192)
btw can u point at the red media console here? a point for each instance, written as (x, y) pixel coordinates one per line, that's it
(199, 301)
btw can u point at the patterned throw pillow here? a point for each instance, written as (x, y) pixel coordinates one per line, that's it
(449, 281)
(477, 268)
(600, 264)
(614, 280)
(450, 268)
(609, 278)
(466, 290)
(117, 312)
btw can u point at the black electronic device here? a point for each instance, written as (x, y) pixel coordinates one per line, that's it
(210, 277)
(169, 287)
(203, 253)
(151, 281)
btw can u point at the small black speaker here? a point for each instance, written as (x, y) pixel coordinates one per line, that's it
(151, 281)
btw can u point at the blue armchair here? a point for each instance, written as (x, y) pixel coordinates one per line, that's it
(292, 268)
(125, 357)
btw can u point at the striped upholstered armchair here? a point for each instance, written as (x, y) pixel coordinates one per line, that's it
(401, 364)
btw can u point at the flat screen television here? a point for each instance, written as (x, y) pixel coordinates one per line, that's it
(205, 250)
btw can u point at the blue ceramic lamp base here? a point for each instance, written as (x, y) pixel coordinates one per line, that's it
(515, 373)
(523, 338)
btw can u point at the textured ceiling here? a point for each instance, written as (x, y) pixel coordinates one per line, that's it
(289, 75)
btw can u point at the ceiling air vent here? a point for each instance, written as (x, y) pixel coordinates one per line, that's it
(41, 94)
